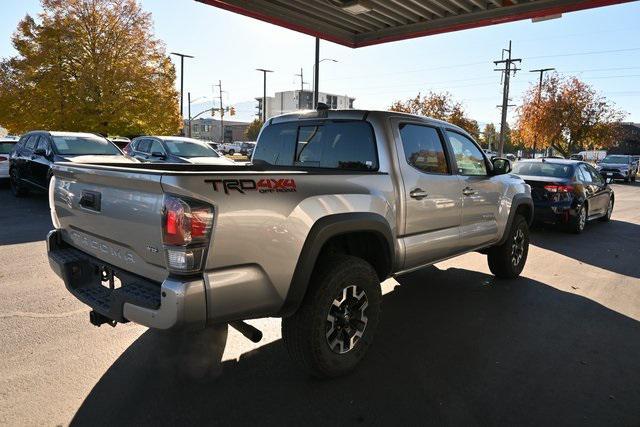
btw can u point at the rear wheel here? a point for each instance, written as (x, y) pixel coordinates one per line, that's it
(333, 328)
(17, 188)
(577, 222)
(232, 152)
(507, 260)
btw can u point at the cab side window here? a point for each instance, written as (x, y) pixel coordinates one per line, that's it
(423, 148)
(469, 158)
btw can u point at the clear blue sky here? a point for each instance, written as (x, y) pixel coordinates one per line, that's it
(229, 47)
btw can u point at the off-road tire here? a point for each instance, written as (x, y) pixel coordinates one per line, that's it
(305, 332)
(502, 259)
(575, 224)
(17, 189)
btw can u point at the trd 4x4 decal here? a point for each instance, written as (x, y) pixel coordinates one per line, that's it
(281, 185)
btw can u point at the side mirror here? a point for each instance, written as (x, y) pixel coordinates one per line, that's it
(158, 154)
(501, 165)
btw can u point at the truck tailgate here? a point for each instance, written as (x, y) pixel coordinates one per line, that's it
(113, 215)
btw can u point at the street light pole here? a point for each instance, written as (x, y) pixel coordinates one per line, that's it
(316, 74)
(264, 92)
(182, 56)
(189, 111)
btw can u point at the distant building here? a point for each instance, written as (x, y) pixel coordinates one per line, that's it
(208, 129)
(293, 100)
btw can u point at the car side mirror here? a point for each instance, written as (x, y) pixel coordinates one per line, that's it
(501, 165)
(158, 154)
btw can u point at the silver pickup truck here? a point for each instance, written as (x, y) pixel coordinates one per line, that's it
(333, 203)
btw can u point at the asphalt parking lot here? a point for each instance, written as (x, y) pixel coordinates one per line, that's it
(559, 346)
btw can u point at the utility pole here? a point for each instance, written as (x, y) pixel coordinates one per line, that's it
(541, 71)
(316, 74)
(264, 93)
(182, 56)
(221, 113)
(189, 112)
(302, 82)
(506, 76)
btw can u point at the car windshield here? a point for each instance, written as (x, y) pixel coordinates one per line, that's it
(75, 145)
(6, 147)
(616, 159)
(547, 169)
(183, 148)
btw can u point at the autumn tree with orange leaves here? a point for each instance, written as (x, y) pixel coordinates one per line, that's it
(567, 115)
(439, 106)
(89, 65)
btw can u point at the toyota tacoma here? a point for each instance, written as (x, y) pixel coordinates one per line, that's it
(332, 204)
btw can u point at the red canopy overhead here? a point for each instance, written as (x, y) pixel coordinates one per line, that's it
(357, 23)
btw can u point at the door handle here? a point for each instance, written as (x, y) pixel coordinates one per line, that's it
(418, 194)
(468, 191)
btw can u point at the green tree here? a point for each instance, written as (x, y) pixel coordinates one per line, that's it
(439, 106)
(89, 65)
(251, 134)
(490, 137)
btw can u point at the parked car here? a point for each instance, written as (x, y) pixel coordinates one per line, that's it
(567, 192)
(6, 147)
(246, 148)
(618, 166)
(120, 141)
(33, 156)
(175, 149)
(335, 203)
(230, 148)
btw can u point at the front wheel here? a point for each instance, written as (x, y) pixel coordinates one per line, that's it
(607, 215)
(232, 152)
(333, 328)
(507, 260)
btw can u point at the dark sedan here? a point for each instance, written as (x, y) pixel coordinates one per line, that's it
(566, 192)
(31, 159)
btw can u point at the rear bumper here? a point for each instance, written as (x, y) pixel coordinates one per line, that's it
(552, 212)
(174, 303)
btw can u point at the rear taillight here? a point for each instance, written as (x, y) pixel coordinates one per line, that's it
(186, 232)
(559, 188)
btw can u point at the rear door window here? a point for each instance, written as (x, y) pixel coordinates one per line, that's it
(43, 144)
(423, 148)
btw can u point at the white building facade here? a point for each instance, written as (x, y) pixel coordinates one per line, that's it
(294, 100)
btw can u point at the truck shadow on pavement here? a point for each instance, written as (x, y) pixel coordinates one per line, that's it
(454, 347)
(613, 246)
(25, 219)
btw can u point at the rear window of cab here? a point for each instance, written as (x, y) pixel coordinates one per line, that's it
(346, 145)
